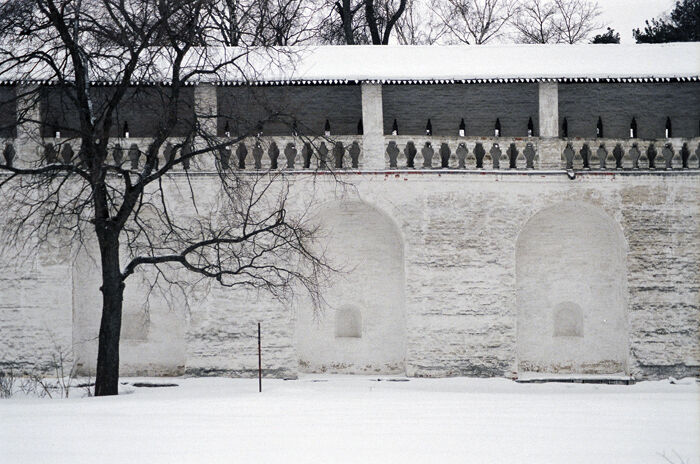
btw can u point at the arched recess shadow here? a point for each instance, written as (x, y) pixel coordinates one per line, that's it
(152, 336)
(368, 293)
(572, 292)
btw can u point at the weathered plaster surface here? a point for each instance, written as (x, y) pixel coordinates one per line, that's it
(459, 235)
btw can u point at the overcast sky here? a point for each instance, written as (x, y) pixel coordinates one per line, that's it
(625, 15)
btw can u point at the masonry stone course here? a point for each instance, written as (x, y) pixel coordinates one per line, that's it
(465, 249)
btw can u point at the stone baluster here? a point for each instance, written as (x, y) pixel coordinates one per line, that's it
(462, 152)
(634, 155)
(695, 162)
(355, 152)
(274, 153)
(445, 155)
(410, 151)
(67, 153)
(257, 155)
(392, 151)
(224, 158)
(241, 153)
(427, 151)
(9, 154)
(479, 155)
(496, 153)
(602, 153)
(338, 153)
(290, 153)
(569, 156)
(306, 155)
(618, 154)
(652, 155)
(667, 153)
(586, 156)
(118, 153)
(323, 156)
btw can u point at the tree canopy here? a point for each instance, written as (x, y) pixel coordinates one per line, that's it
(681, 25)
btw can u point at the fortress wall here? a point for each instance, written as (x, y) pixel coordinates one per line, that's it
(363, 328)
(243, 107)
(35, 308)
(460, 233)
(617, 104)
(142, 108)
(447, 104)
(8, 108)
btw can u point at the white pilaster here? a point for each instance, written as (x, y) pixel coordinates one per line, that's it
(373, 127)
(28, 141)
(550, 156)
(205, 108)
(549, 109)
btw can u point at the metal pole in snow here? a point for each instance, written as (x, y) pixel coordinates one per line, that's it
(259, 362)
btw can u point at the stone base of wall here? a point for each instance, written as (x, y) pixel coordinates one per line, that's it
(458, 234)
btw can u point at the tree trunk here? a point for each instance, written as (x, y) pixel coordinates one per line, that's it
(372, 22)
(346, 15)
(107, 377)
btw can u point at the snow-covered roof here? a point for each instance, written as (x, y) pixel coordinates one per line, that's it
(439, 64)
(402, 64)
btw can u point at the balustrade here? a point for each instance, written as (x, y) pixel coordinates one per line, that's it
(501, 153)
(626, 154)
(402, 152)
(254, 153)
(436, 152)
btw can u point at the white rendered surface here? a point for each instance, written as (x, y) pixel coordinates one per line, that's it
(572, 304)
(367, 248)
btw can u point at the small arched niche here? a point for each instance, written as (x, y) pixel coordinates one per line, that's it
(348, 322)
(568, 320)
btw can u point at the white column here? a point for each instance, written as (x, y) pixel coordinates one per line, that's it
(28, 143)
(549, 146)
(205, 108)
(373, 128)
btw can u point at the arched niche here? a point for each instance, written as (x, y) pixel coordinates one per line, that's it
(152, 335)
(568, 320)
(572, 292)
(348, 322)
(363, 327)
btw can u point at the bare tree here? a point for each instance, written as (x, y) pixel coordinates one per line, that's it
(556, 21)
(264, 22)
(94, 52)
(287, 22)
(235, 21)
(347, 25)
(381, 18)
(418, 25)
(536, 22)
(576, 20)
(362, 21)
(475, 21)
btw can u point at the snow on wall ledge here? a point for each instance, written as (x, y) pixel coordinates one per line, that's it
(499, 63)
(461, 237)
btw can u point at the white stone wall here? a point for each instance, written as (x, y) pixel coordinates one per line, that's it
(365, 298)
(572, 292)
(35, 308)
(459, 235)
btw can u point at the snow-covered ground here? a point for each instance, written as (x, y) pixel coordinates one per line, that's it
(331, 419)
